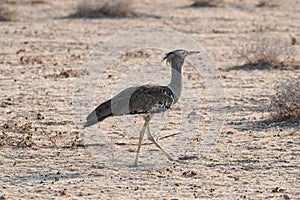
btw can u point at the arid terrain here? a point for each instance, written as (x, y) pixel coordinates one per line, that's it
(45, 153)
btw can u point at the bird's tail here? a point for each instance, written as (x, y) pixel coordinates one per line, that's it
(99, 114)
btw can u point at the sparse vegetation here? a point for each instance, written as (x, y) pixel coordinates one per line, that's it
(24, 135)
(234, 134)
(23, 139)
(266, 52)
(207, 3)
(113, 8)
(285, 103)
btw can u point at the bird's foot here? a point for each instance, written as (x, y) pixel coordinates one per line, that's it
(134, 164)
(170, 158)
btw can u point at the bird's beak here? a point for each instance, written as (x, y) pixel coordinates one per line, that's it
(193, 52)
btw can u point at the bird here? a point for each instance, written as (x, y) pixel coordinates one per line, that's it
(145, 100)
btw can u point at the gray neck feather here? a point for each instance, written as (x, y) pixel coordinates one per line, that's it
(176, 81)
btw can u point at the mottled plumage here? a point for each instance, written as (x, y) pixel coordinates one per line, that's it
(145, 99)
(151, 99)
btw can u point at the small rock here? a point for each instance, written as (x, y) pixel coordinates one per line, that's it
(39, 116)
(189, 173)
(63, 192)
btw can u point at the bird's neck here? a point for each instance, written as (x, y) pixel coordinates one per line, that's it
(176, 83)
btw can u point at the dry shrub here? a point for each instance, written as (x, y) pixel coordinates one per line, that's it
(266, 3)
(5, 13)
(109, 8)
(207, 3)
(266, 51)
(285, 103)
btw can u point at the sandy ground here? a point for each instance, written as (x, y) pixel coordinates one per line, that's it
(46, 155)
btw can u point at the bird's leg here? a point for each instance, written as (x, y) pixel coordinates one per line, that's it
(152, 139)
(142, 132)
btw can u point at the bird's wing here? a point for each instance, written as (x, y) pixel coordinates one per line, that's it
(133, 100)
(151, 99)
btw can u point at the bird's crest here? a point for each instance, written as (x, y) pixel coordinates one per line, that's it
(167, 56)
(178, 52)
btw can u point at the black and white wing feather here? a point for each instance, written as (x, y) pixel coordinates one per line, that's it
(133, 100)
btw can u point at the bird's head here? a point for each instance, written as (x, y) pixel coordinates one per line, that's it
(178, 56)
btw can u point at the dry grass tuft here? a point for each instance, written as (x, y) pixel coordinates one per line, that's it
(31, 60)
(109, 8)
(285, 103)
(207, 3)
(266, 52)
(67, 73)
